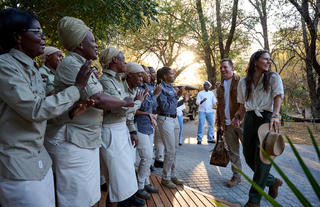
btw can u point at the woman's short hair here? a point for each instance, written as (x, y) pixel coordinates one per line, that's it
(161, 73)
(12, 21)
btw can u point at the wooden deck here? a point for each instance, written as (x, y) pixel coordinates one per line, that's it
(181, 196)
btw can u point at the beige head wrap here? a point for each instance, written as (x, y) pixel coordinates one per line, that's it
(133, 67)
(106, 56)
(71, 32)
(48, 51)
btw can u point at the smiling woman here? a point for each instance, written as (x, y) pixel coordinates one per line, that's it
(26, 177)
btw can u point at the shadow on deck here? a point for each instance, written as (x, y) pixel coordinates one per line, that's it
(183, 196)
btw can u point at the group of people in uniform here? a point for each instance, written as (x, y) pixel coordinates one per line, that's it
(66, 130)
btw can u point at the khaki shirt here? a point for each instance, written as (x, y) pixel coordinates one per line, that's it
(112, 86)
(260, 100)
(24, 110)
(137, 104)
(48, 81)
(233, 104)
(84, 130)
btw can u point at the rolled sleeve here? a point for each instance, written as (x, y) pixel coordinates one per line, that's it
(241, 91)
(276, 85)
(16, 92)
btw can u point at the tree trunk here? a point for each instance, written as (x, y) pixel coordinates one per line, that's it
(261, 8)
(224, 50)
(311, 80)
(211, 70)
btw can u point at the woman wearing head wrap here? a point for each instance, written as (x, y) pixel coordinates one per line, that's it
(259, 94)
(117, 161)
(75, 147)
(25, 167)
(50, 58)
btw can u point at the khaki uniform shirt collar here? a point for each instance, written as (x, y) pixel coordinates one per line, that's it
(21, 57)
(47, 69)
(81, 59)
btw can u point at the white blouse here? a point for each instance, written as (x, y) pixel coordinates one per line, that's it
(260, 100)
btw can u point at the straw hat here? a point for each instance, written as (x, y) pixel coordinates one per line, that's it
(272, 142)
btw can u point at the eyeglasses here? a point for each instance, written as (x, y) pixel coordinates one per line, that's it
(37, 31)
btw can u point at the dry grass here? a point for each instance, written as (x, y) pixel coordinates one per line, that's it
(298, 133)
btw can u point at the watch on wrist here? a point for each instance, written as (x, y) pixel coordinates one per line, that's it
(275, 116)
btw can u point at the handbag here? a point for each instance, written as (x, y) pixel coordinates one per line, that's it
(220, 152)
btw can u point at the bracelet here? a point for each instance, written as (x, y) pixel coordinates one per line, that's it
(275, 116)
(133, 132)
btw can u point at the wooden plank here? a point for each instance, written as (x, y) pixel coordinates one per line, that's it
(162, 195)
(204, 200)
(193, 197)
(150, 203)
(170, 195)
(186, 197)
(179, 197)
(211, 197)
(156, 196)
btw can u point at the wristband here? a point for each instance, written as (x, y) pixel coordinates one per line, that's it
(133, 132)
(275, 116)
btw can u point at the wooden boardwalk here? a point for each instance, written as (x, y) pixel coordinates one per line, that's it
(182, 196)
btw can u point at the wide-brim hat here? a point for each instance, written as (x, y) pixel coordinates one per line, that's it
(272, 142)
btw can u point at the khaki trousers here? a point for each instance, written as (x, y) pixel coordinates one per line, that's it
(232, 137)
(169, 133)
(145, 150)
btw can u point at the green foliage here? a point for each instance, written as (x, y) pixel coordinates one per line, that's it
(106, 17)
(311, 179)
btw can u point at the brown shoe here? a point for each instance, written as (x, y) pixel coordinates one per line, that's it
(273, 189)
(234, 181)
(249, 204)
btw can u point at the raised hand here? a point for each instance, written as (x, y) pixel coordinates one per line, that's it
(141, 95)
(181, 90)
(83, 75)
(157, 90)
(129, 101)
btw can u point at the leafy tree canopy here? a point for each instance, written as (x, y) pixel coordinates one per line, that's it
(105, 17)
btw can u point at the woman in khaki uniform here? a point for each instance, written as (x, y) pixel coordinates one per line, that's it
(26, 178)
(75, 148)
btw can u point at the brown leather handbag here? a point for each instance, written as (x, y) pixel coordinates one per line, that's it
(220, 152)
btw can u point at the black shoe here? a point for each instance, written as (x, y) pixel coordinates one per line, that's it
(152, 168)
(199, 142)
(151, 189)
(180, 144)
(143, 194)
(132, 201)
(212, 141)
(158, 164)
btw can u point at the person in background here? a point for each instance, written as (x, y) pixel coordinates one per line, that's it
(180, 111)
(51, 58)
(227, 107)
(259, 94)
(206, 100)
(145, 125)
(26, 177)
(116, 152)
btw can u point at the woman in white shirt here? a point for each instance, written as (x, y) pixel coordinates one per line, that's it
(259, 94)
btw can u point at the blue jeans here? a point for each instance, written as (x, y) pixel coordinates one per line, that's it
(203, 116)
(180, 119)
